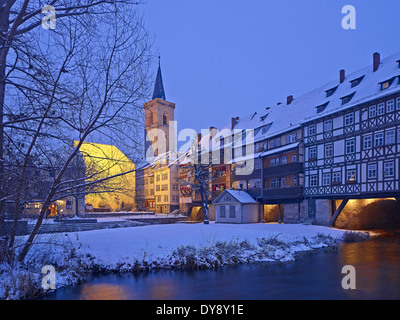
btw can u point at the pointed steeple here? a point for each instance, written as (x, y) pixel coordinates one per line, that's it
(159, 86)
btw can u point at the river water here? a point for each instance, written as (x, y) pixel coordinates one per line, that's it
(312, 277)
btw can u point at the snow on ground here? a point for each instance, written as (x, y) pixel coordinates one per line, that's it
(113, 246)
(179, 246)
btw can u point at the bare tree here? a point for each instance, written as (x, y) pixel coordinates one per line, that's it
(84, 80)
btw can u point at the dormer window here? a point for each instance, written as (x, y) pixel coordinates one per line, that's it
(386, 84)
(331, 91)
(322, 107)
(347, 99)
(356, 82)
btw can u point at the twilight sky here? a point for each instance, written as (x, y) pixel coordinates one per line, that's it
(226, 58)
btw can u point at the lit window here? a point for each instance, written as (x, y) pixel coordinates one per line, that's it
(351, 176)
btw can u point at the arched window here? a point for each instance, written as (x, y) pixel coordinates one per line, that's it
(150, 117)
(165, 119)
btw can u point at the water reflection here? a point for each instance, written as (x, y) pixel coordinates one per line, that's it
(312, 277)
(105, 291)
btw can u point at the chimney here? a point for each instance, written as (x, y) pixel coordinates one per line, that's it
(377, 61)
(289, 100)
(233, 122)
(213, 132)
(342, 75)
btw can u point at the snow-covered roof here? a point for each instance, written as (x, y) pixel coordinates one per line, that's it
(240, 196)
(284, 117)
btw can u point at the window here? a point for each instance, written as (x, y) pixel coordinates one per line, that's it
(398, 104)
(390, 137)
(328, 125)
(356, 82)
(322, 107)
(165, 198)
(329, 151)
(326, 179)
(68, 204)
(295, 181)
(157, 187)
(175, 187)
(284, 160)
(336, 177)
(164, 176)
(372, 111)
(291, 138)
(272, 163)
(158, 198)
(272, 144)
(313, 181)
(368, 142)
(348, 98)
(371, 171)
(222, 212)
(381, 109)
(312, 131)
(165, 119)
(350, 146)
(274, 183)
(164, 187)
(389, 169)
(232, 212)
(294, 158)
(157, 178)
(385, 85)
(331, 91)
(278, 142)
(349, 119)
(277, 161)
(283, 182)
(390, 106)
(379, 139)
(313, 153)
(351, 176)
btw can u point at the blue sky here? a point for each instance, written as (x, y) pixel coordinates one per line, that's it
(227, 58)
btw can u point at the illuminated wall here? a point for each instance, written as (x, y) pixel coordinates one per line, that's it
(102, 161)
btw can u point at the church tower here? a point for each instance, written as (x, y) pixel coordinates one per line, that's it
(159, 119)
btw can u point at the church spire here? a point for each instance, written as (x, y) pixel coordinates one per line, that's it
(159, 86)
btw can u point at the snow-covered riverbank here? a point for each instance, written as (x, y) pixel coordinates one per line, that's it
(161, 246)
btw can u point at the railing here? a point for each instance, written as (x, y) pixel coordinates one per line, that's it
(283, 170)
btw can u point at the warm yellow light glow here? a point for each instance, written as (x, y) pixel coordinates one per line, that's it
(103, 161)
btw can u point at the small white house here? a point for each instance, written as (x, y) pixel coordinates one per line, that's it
(234, 206)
